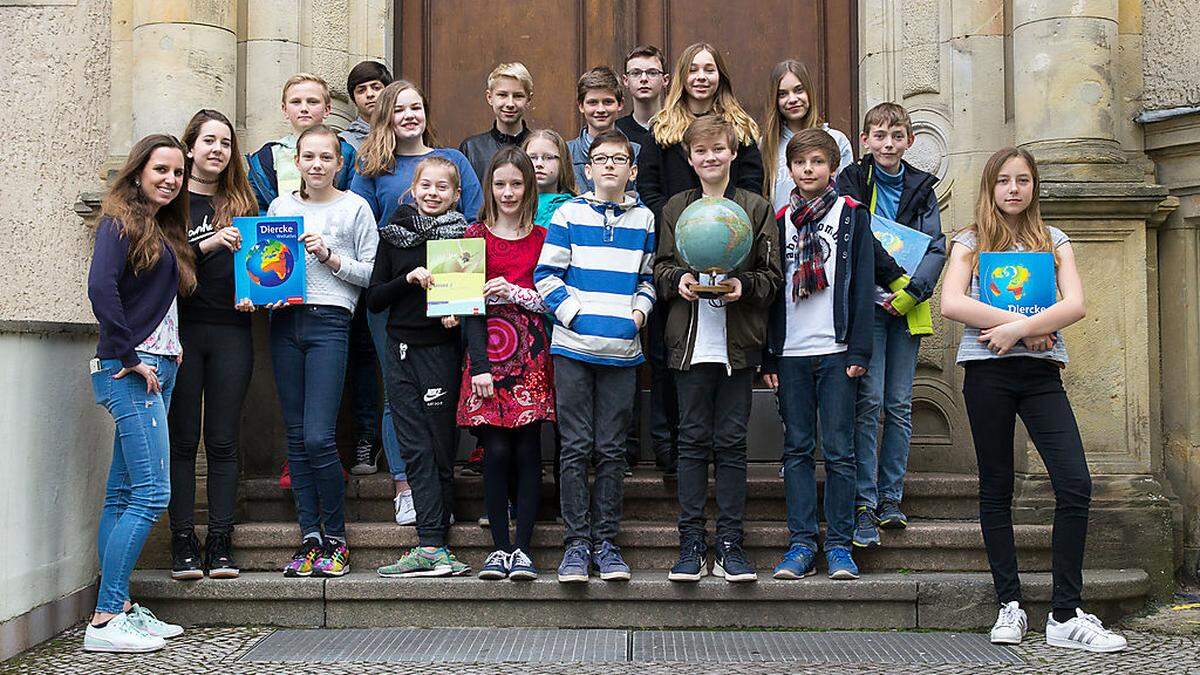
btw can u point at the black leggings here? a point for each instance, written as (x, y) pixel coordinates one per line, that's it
(508, 453)
(218, 360)
(996, 391)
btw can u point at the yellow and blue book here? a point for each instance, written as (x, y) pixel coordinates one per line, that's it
(269, 267)
(1017, 282)
(459, 272)
(906, 245)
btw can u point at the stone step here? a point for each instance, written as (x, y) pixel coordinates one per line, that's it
(924, 545)
(947, 601)
(647, 496)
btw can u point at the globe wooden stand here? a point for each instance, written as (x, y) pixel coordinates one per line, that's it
(715, 290)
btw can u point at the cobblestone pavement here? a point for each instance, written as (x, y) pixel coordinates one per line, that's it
(215, 650)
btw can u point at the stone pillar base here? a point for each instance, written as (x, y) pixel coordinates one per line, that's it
(1133, 523)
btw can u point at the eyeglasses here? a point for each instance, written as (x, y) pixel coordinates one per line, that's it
(651, 73)
(543, 158)
(617, 160)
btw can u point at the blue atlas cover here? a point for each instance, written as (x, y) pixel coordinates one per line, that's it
(906, 245)
(1018, 282)
(269, 266)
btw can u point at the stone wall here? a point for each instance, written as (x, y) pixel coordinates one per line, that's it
(1172, 41)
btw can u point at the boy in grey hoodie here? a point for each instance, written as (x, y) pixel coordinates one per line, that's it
(364, 83)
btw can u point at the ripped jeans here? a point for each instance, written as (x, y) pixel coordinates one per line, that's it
(139, 480)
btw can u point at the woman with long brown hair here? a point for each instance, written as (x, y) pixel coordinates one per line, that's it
(700, 86)
(141, 262)
(1013, 366)
(212, 383)
(793, 104)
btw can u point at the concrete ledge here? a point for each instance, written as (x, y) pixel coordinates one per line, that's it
(947, 601)
(45, 621)
(20, 326)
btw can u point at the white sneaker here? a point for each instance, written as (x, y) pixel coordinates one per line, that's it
(120, 635)
(1010, 625)
(145, 620)
(1084, 631)
(406, 512)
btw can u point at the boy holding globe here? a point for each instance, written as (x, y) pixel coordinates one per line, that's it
(714, 341)
(819, 343)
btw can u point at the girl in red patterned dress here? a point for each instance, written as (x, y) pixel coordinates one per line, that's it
(508, 381)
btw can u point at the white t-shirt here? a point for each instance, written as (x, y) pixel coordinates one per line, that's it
(810, 329)
(711, 345)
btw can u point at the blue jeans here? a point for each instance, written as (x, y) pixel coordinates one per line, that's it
(813, 388)
(309, 344)
(888, 383)
(139, 479)
(377, 321)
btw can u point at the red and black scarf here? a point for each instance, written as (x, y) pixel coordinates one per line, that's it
(806, 214)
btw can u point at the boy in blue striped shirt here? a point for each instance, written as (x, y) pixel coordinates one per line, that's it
(595, 274)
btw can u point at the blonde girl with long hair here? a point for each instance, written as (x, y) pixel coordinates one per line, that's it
(793, 104)
(1013, 365)
(700, 86)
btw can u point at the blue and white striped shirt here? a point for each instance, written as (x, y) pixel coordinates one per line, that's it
(596, 268)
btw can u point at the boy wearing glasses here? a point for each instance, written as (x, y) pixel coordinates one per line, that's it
(646, 81)
(595, 275)
(599, 96)
(714, 344)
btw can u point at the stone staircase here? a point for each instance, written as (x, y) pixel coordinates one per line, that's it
(931, 575)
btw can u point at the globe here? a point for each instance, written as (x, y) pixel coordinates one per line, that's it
(270, 262)
(713, 235)
(1008, 282)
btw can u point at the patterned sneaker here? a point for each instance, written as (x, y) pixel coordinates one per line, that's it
(1010, 625)
(520, 567)
(797, 563)
(495, 567)
(866, 534)
(841, 563)
(418, 561)
(575, 564)
(1083, 631)
(364, 459)
(303, 559)
(609, 563)
(334, 560)
(890, 516)
(144, 619)
(458, 568)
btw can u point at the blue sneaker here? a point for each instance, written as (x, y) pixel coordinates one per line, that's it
(608, 561)
(731, 562)
(575, 564)
(890, 516)
(520, 567)
(841, 563)
(691, 564)
(496, 566)
(866, 533)
(797, 563)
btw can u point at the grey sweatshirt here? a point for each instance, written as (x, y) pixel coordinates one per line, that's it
(348, 228)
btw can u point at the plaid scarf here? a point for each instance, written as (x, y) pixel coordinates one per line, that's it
(408, 227)
(809, 275)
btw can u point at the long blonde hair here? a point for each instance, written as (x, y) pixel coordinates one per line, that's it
(378, 154)
(775, 123)
(991, 228)
(670, 122)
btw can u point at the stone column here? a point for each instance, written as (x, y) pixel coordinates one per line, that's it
(272, 55)
(184, 57)
(1065, 110)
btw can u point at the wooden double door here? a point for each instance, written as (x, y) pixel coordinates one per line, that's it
(450, 46)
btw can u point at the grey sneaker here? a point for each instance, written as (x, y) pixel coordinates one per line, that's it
(890, 516)
(866, 534)
(608, 561)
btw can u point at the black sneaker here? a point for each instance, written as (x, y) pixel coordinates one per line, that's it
(731, 562)
(218, 557)
(364, 459)
(185, 556)
(691, 565)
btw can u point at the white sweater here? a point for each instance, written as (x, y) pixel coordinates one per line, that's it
(348, 228)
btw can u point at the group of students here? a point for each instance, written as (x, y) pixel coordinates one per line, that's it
(581, 259)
